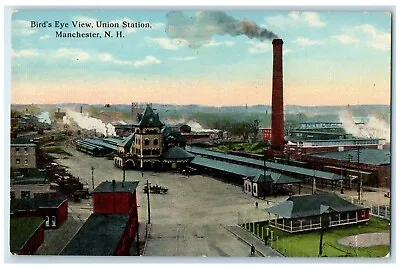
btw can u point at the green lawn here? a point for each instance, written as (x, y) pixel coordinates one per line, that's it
(307, 244)
(21, 229)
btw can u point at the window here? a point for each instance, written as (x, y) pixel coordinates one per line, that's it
(155, 142)
(26, 161)
(17, 161)
(26, 150)
(25, 194)
(17, 149)
(147, 141)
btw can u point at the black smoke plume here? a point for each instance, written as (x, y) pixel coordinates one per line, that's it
(199, 30)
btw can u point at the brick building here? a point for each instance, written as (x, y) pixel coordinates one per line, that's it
(23, 156)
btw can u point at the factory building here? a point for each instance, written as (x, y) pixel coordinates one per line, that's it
(373, 164)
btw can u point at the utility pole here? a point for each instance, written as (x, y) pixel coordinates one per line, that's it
(350, 158)
(359, 175)
(92, 177)
(148, 202)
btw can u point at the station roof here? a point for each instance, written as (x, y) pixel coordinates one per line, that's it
(367, 156)
(127, 142)
(149, 119)
(101, 143)
(174, 153)
(107, 186)
(245, 171)
(312, 205)
(21, 230)
(99, 236)
(268, 165)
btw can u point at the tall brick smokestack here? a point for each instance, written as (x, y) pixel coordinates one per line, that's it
(277, 135)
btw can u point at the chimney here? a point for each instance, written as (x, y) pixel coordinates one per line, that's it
(58, 109)
(81, 109)
(277, 136)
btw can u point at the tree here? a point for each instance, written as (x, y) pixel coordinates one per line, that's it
(254, 128)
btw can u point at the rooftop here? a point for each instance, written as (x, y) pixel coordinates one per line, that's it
(23, 145)
(149, 118)
(367, 156)
(245, 171)
(21, 230)
(312, 205)
(107, 186)
(268, 165)
(175, 153)
(99, 236)
(35, 203)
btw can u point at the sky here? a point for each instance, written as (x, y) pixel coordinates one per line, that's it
(330, 58)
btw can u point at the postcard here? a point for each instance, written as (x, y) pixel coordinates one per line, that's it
(200, 133)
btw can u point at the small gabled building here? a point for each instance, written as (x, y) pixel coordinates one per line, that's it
(26, 234)
(101, 235)
(54, 211)
(23, 156)
(311, 212)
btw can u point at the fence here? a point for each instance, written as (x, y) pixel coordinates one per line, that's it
(380, 211)
(269, 237)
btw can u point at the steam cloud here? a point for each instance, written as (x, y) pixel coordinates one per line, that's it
(89, 123)
(199, 30)
(44, 117)
(373, 127)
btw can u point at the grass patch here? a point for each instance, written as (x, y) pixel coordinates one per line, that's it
(21, 229)
(56, 150)
(254, 148)
(307, 244)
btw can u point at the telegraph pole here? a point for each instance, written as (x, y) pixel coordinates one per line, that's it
(359, 175)
(148, 202)
(92, 177)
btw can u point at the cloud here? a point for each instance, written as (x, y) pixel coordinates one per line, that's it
(259, 47)
(74, 54)
(216, 44)
(187, 58)
(156, 25)
(108, 58)
(346, 39)
(366, 34)
(148, 60)
(44, 37)
(304, 41)
(22, 28)
(24, 53)
(294, 19)
(167, 43)
(313, 19)
(287, 51)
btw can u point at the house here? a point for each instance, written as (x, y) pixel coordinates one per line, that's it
(102, 235)
(311, 212)
(54, 211)
(23, 156)
(26, 235)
